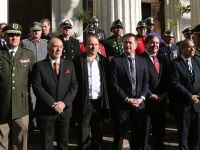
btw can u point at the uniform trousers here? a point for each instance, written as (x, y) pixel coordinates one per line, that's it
(19, 133)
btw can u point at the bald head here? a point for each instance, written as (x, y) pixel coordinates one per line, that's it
(55, 48)
(187, 48)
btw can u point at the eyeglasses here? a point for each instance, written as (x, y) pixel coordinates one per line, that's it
(57, 46)
(36, 30)
(191, 47)
(13, 34)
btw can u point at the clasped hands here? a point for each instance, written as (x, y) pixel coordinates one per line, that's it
(135, 101)
(58, 106)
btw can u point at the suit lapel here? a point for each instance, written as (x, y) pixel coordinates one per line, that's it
(6, 55)
(61, 72)
(195, 70)
(126, 66)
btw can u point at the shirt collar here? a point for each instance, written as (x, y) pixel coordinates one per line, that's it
(14, 50)
(53, 61)
(128, 56)
(185, 59)
(36, 41)
(97, 58)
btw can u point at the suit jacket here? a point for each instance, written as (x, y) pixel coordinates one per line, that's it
(158, 83)
(49, 90)
(14, 83)
(183, 85)
(71, 48)
(82, 97)
(121, 82)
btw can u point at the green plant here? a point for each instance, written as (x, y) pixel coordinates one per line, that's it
(172, 23)
(181, 8)
(83, 15)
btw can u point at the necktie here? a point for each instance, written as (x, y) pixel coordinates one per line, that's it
(132, 75)
(156, 64)
(12, 55)
(189, 66)
(56, 69)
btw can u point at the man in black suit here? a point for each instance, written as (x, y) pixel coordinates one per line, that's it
(55, 86)
(157, 93)
(129, 81)
(186, 97)
(91, 103)
(71, 45)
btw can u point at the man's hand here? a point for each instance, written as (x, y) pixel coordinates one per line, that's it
(158, 98)
(59, 106)
(195, 99)
(135, 101)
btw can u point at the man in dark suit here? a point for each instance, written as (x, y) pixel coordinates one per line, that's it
(157, 93)
(129, 81)
(91, 103)
(186, 97)
(71, 45)
(55, 86)
(15, 69)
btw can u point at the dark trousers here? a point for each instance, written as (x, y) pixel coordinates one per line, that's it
(51, 128)
(155, 123)
(91, 130)
(122, 119)
(188, 123)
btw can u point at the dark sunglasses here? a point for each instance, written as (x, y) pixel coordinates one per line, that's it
(13, 34)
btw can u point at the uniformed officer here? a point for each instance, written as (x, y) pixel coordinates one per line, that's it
(168, 48)
(35, 43)
(94, 24)
(39, 48)
(15, 68)
(196, 40)
(150, 28)
(142, 33)
(114, 44)
(71, 45)
(187, 33)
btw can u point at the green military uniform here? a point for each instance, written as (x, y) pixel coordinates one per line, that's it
(14, 81)
(113, 46)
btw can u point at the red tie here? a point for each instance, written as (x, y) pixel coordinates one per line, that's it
(56, 69)
(156, 64)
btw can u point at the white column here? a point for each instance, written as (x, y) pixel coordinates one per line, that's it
(4, 11)
(128, 11)
(172, 16)
(195, 11)
(62, 9)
